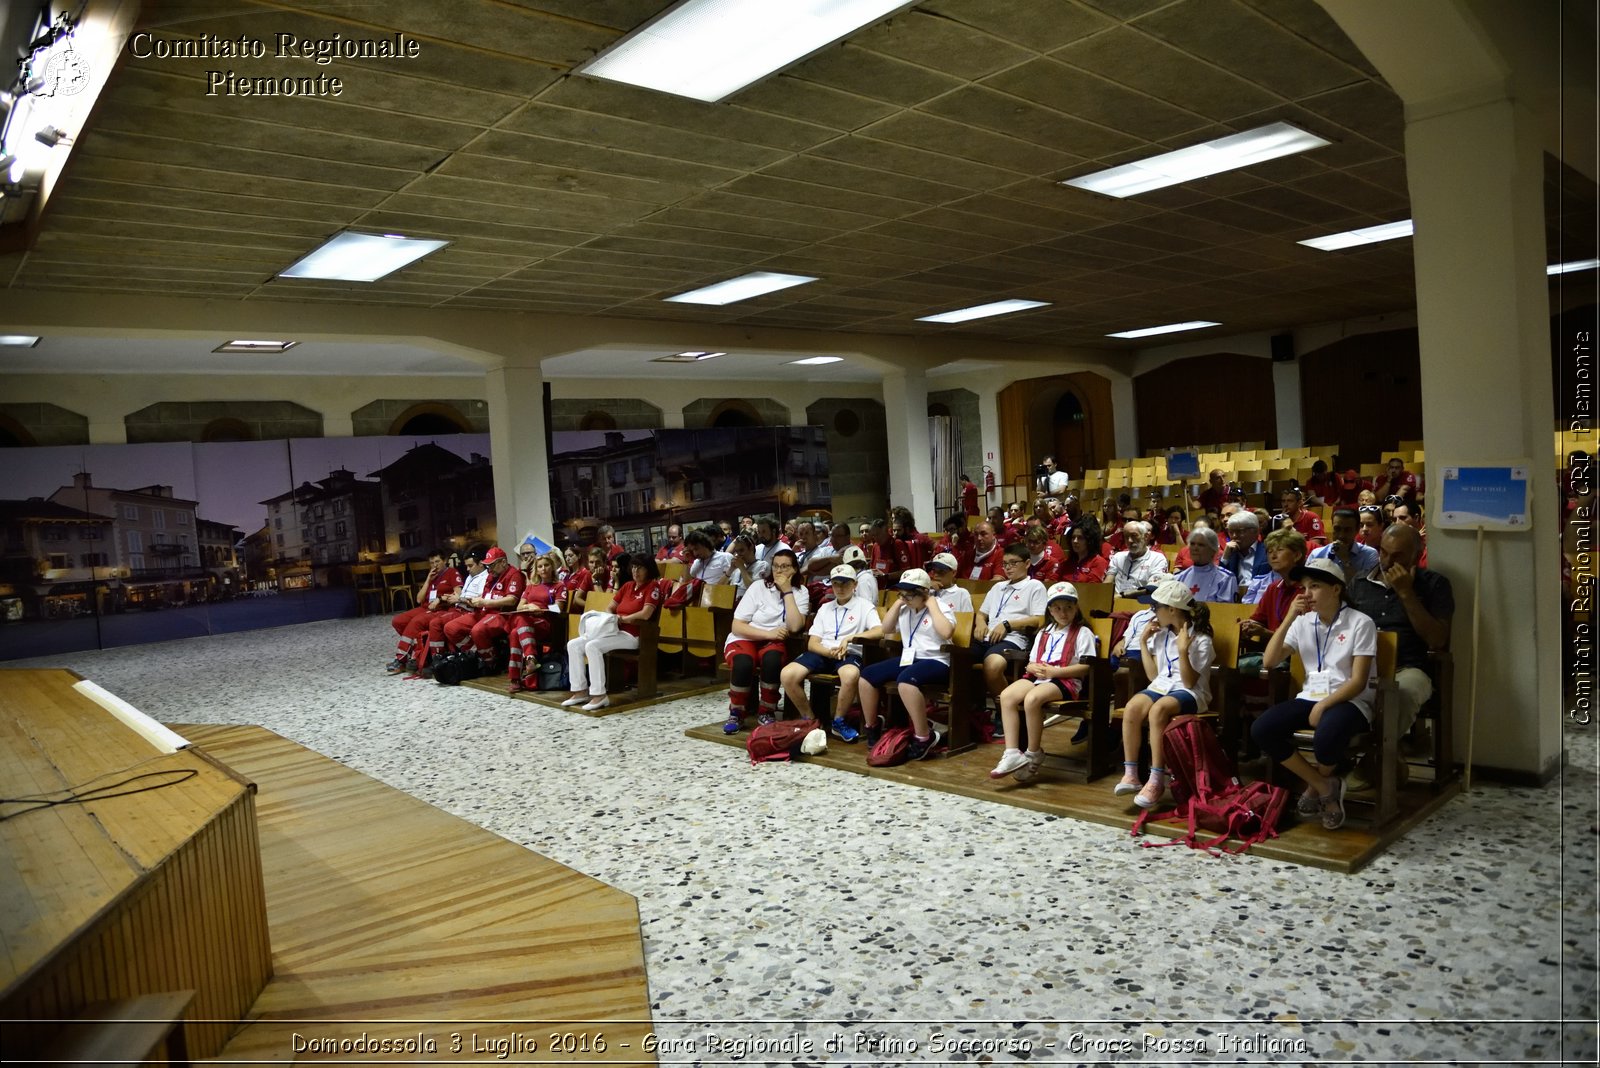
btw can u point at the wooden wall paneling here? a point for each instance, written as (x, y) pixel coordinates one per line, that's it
(1222, 396)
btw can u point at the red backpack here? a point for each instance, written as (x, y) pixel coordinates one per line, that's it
(778, 740)
(891, 749)
(1209, 795)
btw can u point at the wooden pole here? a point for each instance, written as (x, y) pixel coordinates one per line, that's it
(1472, 686)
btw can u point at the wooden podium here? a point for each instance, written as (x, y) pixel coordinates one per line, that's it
(121, 897)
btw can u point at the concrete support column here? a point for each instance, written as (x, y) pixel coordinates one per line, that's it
(107, 431)
(521, 464)
(905, 404)
(338, 425)
(1483, 308)
(1286, 402)
(989, 436)
(1126, 414)
(671, 417)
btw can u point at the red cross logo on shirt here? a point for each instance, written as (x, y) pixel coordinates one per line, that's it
(1341, 639)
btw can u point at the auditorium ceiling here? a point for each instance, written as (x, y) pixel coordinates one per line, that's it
(913, 168)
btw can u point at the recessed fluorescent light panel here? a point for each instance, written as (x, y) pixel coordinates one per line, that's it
(1198, 161)
(742, 288)
(1572, 265)
(688, 357)
(352, 257)
(1170, 328)
(983, 311)
(1365, 236)
(256, 346)
(708, 49)
(18, 341)
(816, 361)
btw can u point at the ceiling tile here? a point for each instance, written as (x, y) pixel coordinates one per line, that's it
(987, 108)
(1134, 59)
(940, 44)
(1084, 96)
(1038, 26)
(920, 130)
(1239, 39)
(870, 74)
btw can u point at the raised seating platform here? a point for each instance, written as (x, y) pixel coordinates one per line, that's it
(1346, 850)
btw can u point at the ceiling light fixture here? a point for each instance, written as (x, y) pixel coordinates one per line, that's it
(983, 311)
(18, 341)
(1365, 236)
(1170, 328)
(817, 361)
(709, 49)
(256, 346)
(1572, 265)
(353, 257)
(741, 288)
(1200, 161)
(694, 356)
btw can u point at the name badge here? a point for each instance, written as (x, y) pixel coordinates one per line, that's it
(906, 656)
(1319, 684)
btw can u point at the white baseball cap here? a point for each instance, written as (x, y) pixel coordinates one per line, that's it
(944, 560)
(842, 573)
(1061, 589)
(914, 580)
(1173, 594)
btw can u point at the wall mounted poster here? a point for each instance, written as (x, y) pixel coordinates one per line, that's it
(1494, 498)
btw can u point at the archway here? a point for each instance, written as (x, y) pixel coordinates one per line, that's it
(598, 420)
(1071, 424)
(429, 417)
(13, 434)
(735, 413)
(227, 430)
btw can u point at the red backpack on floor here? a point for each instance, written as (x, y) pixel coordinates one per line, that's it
(778, 740)
(892, 748)
(1209, 795)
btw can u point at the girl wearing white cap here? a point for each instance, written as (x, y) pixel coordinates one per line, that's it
(1177, 653)
(924, 625)
(1337, 645)
(1055, 672)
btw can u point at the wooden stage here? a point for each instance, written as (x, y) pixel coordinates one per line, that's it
(1346, 850)
(392, 919)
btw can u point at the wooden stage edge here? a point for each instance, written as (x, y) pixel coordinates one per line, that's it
(1346, 850)
(623, 701)
(394, 920)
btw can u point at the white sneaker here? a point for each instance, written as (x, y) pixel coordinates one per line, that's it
(597, 704)
(1029, 771)
(1010, 761)
(573, 702)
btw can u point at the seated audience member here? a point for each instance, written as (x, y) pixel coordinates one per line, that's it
(833, 646)
(1348, 487)
(1396, 481)
(880, 548)
(984, 564)
(707, 566)
(866, 578)
(1055, 672)
(1010, 610)
(1353, 558)
(746, 568)
(672, 548)
(1367, 499)
(747, 525)
(1338, 646)
(1174, 528)
(957, 541)
(636, 602)
(1001, 527)
(1044, 556)
(1417, 604)
(825, 557)
(1177, 652)
(526, 555)
(802, 538)
(911, 547)
(459, 604)
(1410, 513)
(1301, 518)
(924, 626)
(1372, 525)
(1272, 594)
(767, 540)
(486, 620)
(1246, 554)
(608, 542)
(1322, 487)
(969, 496)
(772, 609)
(1084, 562)
(571, 563)
(580, 582)
(1137, 567)
(942, 573)
(533, 623)
(412, 625)
(1130, 514)
(618, 574)
(1217, 491)
(1184, 559)
(1203, 577)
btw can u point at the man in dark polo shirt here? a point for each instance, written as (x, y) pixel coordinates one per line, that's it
(1413, 602)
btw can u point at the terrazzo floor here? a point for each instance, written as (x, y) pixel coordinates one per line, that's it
(822, 917)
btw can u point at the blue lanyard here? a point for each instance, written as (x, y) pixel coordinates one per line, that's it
(921, 620)
(1322, 644)
(1172, 661)
(839, 612)
(1052, 647)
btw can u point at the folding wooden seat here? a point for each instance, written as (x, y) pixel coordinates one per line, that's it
(397, 584)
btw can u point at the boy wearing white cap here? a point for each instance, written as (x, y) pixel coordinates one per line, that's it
(942, 573)
(924, 625)
(833, 646)
(866, 578)
(1055, 672)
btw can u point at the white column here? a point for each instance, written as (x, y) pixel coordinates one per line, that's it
(1286, 402)
(338, 425)
(905, 404)
(521, 464)
(672, 416)
(1475, 176)
(989, 437)
(1126, 414)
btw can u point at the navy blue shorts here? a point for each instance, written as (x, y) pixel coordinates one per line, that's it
(918, 672)
(816, 663)
(1187, 705)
